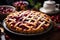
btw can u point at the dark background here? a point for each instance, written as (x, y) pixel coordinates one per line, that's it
(9, 2)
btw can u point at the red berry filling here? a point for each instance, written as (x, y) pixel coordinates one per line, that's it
(23, 27)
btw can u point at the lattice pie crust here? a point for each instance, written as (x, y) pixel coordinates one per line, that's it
(28, 21)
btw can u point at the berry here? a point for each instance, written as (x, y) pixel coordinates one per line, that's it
(7, 37)
(5, 10)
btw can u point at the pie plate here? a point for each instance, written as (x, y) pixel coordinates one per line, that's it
(49, 11)
(21, 34)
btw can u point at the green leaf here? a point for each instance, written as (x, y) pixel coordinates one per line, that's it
(38, 5)
(31, 2)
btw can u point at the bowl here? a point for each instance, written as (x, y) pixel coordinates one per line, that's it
(20, 5)
(5, 10)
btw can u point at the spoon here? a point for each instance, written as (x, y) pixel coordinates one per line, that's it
(2, 34)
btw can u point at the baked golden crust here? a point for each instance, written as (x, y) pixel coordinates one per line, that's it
(28, 21)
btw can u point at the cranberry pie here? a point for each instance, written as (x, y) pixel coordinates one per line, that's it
(28, 21)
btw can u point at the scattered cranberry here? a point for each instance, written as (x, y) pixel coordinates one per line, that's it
(52, 17)
(58, 27)
(56, 18)
(7, 37)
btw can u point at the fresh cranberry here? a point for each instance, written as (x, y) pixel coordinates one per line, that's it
(53, 18)
(10, 10)
(15, 4)
(58, 27)
(58, 18)
(5, 10)
(18, 4)
(24, 4)
(1, 8)
(4, 7)
(7, 37)
(21, 3)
